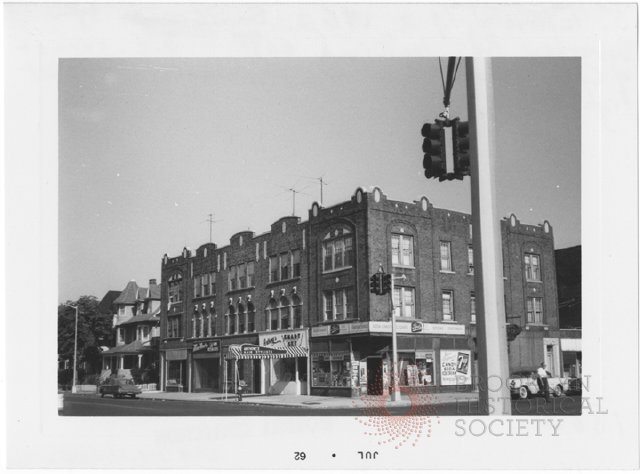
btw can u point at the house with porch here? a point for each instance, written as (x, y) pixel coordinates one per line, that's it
(136, 324)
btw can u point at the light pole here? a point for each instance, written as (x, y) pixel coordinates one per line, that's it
(395, 393)
(74, 389)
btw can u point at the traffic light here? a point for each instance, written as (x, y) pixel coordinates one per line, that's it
(460, 137)
(433, 146)
(386, 283)
(375, 283)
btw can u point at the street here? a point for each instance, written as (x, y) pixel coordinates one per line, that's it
(93, 405)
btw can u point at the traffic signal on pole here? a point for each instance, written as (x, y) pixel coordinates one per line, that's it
(375, 284)
(386, 283)
(460, 137)
(433, 146)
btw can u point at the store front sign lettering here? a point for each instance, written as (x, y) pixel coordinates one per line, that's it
(286, 339)
(211, 346)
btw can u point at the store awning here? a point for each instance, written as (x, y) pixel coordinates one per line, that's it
(252, 351)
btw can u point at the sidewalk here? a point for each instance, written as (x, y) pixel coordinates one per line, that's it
(311, 401)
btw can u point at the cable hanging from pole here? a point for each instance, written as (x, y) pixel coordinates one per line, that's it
(452, 72)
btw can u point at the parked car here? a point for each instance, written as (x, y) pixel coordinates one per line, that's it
(524, 384)
(119, 388)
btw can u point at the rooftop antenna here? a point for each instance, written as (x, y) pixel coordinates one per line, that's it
(322, 183)
(294, 192)
(211, 222)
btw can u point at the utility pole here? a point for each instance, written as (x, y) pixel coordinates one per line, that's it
(395, 377)
(74, 387)
(493, 359)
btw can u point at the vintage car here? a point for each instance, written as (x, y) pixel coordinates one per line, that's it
(119, 388)
(524, 384)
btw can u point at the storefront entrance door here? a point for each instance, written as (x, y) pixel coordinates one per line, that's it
(374, 376)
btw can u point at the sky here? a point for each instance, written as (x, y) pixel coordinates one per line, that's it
(148, 148)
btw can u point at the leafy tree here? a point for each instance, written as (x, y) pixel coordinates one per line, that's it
(94, 330)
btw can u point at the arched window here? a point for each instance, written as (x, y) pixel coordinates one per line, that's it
(251, 317)
(297, 311)
(233, 327)
(201, 324)
(285, 313)
(337, 249)
(194, 322)
(272, 314)
(242, 319)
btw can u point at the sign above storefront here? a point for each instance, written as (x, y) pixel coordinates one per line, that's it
(414, 327)
(207, 346)
(285, 339)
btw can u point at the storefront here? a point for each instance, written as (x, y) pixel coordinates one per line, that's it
(175, 369)
(206, 366)
(571, 357)
(353, 359)
(278, 364)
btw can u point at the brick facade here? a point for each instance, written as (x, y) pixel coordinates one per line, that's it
(347, 326)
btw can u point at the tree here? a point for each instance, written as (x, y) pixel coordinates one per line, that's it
(94, 330)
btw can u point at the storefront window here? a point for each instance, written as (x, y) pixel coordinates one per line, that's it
(331, 364)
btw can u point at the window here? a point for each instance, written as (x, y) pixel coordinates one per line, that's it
(272, 315)
(145, 332)
(232, 320)
(532, 266)
(473, 308)
(175, 288)
(284, 266)
(295, 256)
(337, 250)
(297, 312)
(242, 275)
(445, 257)
(204, 283)
(197, 290)
(534, 311)
(233, 270)
(338, 304)
(284, 313)
(250, 272)
(402, 250)
(470, 260)
(447, 306)
(251, 317)
(404, 302)
(242, 319)
(173, 326)
(212, 284)
(273, 269)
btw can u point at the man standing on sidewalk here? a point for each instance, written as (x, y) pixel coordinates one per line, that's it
(543, 381)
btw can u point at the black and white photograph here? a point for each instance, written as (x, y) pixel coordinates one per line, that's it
(319, 237)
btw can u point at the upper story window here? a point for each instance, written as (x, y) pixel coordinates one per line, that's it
(284, 266)
(404, 302)
(337, 249)
(174, 286)
(295, 263)
(470, 260)
(445, 256)
(473, 308)
(250, 273)
(532, 266)
(338, 304)
(174, 326)
(233, 283)
(274, 270)
(242, 275)
(534, 311)
(402, 250)
(447, 306)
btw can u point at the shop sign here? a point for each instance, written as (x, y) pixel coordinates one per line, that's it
(402, 327)
(416, 326)
(455, 367)
(208, 346)
(285, 339)
(334, 329)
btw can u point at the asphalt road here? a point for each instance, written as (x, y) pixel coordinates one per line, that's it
(93, 405)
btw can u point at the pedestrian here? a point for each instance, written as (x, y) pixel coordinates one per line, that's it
(543, 381)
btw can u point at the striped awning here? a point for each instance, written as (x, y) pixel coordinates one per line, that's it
(252, 351)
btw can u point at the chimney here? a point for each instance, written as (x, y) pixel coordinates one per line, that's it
(152, 282)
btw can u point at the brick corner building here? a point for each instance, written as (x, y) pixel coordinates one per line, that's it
(289, 311)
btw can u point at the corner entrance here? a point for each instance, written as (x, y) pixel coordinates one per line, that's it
(374, 376)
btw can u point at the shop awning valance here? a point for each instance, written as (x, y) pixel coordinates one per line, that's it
(252, 351)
